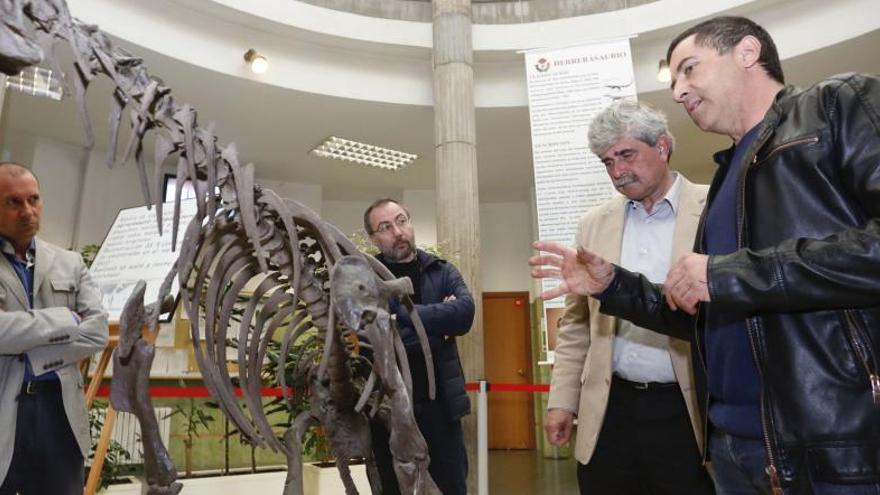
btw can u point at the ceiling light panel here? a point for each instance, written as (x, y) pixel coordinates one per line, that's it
(363, 153)
(37, 81)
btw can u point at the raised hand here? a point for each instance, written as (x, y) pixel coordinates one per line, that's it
(580, 271)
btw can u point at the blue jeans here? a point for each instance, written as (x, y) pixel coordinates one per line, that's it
(739, 465)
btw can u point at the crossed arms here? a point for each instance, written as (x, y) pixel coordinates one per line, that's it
(53, 337)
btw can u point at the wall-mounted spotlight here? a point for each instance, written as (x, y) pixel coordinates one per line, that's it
(257, 62)
(663, 73)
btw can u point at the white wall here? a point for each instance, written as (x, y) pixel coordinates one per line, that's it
(15, 146)
(310, 195)
(347, 215)
(505, 238)
(420, 203)
(55, 164)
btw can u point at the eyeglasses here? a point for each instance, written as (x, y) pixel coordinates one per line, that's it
(400, 222)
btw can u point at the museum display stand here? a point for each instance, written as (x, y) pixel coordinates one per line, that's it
(110, 417)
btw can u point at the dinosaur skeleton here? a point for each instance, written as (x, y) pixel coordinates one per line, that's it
(312, 284)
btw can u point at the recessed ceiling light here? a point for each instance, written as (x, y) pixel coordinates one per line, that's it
(363, 153)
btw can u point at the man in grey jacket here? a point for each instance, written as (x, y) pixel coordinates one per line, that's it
(50, 319)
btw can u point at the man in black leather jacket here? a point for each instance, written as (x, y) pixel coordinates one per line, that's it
(782, 295)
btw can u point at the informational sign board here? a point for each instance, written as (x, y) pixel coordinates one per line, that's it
(567, 87)
(133, 250)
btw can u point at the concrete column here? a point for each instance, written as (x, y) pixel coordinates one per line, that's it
(458, 204)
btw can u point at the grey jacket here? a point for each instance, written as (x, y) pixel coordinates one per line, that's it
(49, 335)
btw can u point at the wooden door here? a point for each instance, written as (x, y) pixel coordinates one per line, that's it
(508, 358)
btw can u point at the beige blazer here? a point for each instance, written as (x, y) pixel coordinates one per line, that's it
(49, 335)
(581, 375)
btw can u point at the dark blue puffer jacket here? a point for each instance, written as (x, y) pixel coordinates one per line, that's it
(443, 322)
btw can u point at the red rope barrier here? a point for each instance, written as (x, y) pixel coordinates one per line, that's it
(187, 392)
(513, 387)
(510, 387)
(202, 392)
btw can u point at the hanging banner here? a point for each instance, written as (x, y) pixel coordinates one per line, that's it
(567, 87)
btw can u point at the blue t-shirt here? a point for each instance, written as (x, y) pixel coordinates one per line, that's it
(734, 385)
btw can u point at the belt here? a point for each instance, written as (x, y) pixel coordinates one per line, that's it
(646, 386)
(41, 386)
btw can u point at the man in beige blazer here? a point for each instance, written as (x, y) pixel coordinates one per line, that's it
(50, 319)
(630, 389)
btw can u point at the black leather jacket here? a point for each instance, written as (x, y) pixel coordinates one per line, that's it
(806, 279)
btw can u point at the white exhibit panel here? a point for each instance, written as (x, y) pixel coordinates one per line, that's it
(567, 87)
(134, 250)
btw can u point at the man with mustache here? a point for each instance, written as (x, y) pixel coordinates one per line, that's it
(50, 319)
(630, 388)
(446, 308)
(782, 297)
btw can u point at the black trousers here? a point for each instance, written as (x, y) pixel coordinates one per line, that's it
(46, 458)
(646, 446)
(449, 465)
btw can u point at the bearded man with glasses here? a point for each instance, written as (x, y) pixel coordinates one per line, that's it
(446, 308)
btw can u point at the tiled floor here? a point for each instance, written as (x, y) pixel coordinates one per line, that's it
(526, 472)
(511, 472)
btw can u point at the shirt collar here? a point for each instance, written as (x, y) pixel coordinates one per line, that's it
(671, 196)
(7, 248)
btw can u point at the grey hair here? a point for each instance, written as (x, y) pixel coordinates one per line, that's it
(627, 118)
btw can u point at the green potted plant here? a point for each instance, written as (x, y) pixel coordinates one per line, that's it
(195, 421)
(116, 466)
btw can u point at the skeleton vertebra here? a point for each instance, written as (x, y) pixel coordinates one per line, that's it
(244, 233)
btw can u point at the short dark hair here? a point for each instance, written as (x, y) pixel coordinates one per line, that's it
(723, 33)
(16, 169)
(379, 202)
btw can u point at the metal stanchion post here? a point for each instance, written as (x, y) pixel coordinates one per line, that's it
(483, 439)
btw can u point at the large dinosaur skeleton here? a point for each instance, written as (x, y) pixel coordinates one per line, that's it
(312, 284)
